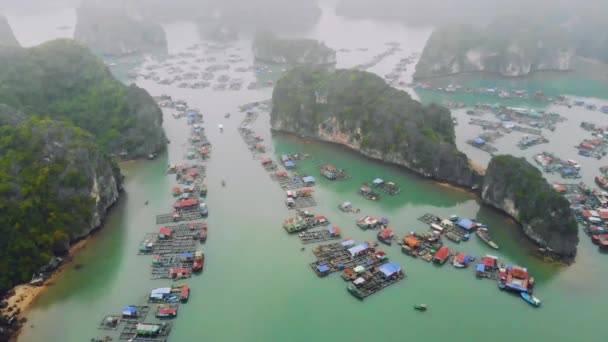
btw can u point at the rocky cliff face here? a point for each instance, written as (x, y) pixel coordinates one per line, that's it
(107, 29)
(56, 182)
(7, 38)
(516, 187)
(498, 49)
(267, 47)
(361, 111)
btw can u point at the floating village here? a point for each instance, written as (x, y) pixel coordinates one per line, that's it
(364, 266)
(175, 245)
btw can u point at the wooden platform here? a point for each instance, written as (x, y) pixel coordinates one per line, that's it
(316, 236)
(429, 218)
(129, 332)
(372, 285)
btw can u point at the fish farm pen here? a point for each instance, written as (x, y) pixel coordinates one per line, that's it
(131, 332)
(429, 218)
(482, 145)
(303, 202)
(286, 182)
(339, 262)
(317, 236)
(331, 173)
(387, 187)
(189, 215)
(175, 245)
(374, 283)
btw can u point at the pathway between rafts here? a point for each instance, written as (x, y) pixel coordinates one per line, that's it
(174, 248)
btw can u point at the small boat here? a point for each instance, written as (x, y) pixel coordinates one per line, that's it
(485, 236)
(221, 127)
(530, 299)
(146, 203)
(223, 183)
(227, 115)
(420, 307)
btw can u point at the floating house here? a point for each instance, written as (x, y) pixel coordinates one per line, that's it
(147, 329)
(517, 279)
(184, 294)
(166, 311)
(165, 233)
(377, 182)
(179, 273)
(186, 257)
(367, 222)
(347, 242)
(308, 180)
(442, 255)
(266, 161)
(461, 260)
(479, 141)
(466, 224)
(359, 249)
(290, 164)
(160, 294)
(346, 207)
(129, 312)
(489, 262)
(322, 270)
(328, 171)
(386, 236)
(390, 270)
(186, 204)
(334, 231)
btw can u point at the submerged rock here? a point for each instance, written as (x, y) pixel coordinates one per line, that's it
(267, 47)
(108, 29)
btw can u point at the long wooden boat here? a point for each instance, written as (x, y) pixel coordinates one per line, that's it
(485, 237)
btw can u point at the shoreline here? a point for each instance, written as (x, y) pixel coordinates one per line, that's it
(27, 295)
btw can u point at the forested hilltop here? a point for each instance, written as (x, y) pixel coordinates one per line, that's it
(359, 110)
(65, 81)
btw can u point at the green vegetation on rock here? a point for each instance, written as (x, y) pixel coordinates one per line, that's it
(65, 81)
(55, 185)
(359, 109)
(517, 187)
(267, 47)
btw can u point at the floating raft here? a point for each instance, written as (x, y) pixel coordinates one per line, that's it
(377, 282)
(304, 202)
(317, 236)
(387, 187)
(130, 333)
(187, 215)
(331, 173)
(429, 218)
(341, 261)
(286, 182)
(175, 245)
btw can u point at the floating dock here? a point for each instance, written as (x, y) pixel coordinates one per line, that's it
(429, 218)
(130, 333)
(317, 236)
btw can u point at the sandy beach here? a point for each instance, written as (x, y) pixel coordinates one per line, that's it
(26, 295)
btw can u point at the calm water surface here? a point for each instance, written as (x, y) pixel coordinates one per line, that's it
(257, 285)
